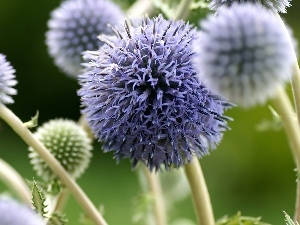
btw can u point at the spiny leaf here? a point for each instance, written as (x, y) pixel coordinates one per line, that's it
(38, 199)
(57, 218)
(33, 122)
(238, 219)
(288, 220)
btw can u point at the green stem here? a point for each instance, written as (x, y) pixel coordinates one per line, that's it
(156, 192)
(200, 194)
(183, 9)
(284, 108)
(295, 81)
(140, 8)
(15, 182)
(18, 126)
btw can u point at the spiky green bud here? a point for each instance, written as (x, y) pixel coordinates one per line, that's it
(68, 143)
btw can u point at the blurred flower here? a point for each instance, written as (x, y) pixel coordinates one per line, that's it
(275, 5)
(7, 81)
(243, 56)
(142, 98)
(14, 213)
(68, 143)
(74, 28)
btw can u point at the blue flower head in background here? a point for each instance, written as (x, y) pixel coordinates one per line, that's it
(245, 53)
(7, 81)
(275, 5)
(142, 97)
(14, 213)
(74, 27)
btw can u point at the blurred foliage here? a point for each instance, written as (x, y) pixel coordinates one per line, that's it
(238, 219)
(250, 171)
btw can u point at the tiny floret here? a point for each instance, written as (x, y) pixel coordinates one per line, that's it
(274, 5)
(68, 143)
(14, 213)
(143, 100)
(74, 27)
(7, 81)
(245, 53)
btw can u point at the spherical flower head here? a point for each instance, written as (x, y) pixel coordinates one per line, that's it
(243, 56)
(14, 213)
(143, 100)
(68, 143)
(7, 81)
(74, 27)
(274, 5)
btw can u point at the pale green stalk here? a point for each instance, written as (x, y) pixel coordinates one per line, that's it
(285, 110)
(193, 170)
(295, 81)
(15, 182)
(17, 125)
(200, 194)
(156, 192)
(140, 8)
(183, 9)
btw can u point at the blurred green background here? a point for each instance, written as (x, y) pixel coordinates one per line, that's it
(251, 171)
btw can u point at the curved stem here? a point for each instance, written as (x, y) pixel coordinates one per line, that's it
(183, 9)
(15, 181)
(295, 81)
(200, 194)
(156, 192)
(18, 126)
(284, 108)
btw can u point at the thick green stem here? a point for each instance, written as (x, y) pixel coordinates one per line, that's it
(200, 194)
(156, 192)
(17, 125)
(183, 9)
(15, 182)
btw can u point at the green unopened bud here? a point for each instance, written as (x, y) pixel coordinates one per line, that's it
(68, 143)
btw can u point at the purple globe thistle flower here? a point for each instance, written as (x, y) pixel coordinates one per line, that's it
(243, 56)
(143, 100)
(74, 28)
(275, 5)
(7, 81)
(14, 213)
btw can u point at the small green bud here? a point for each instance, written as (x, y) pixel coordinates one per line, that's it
(68, 143)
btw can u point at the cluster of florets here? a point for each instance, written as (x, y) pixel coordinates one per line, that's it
(274, 5)
(143, 99)
(74, 27)
(68, 143)
(7, 81)
(243, 56)
(14, 213)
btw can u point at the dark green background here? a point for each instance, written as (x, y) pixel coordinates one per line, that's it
(251, 171)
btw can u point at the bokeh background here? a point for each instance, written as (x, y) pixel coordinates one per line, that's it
(252, 171)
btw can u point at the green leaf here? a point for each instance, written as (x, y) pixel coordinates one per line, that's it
(238, 219)
(33, 122)
(288, 220)
(57, 218)
(38, 199)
